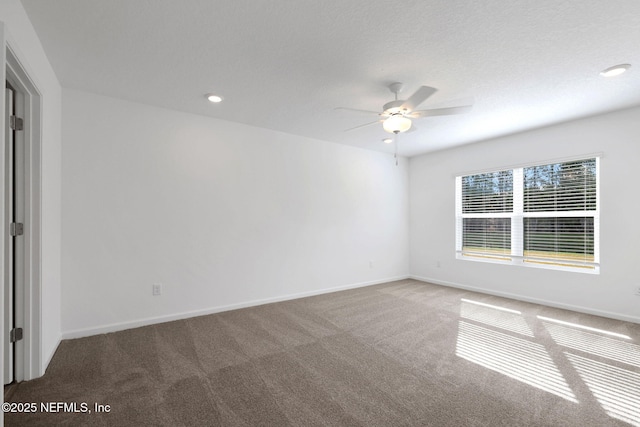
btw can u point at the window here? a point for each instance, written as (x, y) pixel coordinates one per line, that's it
(542, 215)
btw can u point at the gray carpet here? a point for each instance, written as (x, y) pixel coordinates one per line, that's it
(400, 353)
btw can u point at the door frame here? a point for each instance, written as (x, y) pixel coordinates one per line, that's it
(28, 307)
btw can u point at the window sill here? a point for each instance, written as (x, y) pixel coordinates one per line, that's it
(519, 261)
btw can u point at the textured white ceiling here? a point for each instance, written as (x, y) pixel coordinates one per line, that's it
(287, 64)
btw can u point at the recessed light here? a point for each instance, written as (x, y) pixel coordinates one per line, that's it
(387, 140)
(213, 98)
(616, 70)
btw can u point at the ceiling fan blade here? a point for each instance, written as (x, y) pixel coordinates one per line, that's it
(358, 111)
(440, 111)
(362, 126)
(418, 97)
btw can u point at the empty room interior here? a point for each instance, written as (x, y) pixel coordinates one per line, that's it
(358, 213)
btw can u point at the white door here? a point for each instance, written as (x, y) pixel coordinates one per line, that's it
(8, 248)
(14, 232)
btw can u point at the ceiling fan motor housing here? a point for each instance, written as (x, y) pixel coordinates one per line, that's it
(394, 107)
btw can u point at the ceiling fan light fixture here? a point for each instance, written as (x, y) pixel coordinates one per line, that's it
(397, 123)
(616, 70)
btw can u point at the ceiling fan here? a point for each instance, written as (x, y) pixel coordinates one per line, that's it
(396, 115)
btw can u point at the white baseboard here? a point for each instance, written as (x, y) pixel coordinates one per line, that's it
(114, 327)
(579, 309)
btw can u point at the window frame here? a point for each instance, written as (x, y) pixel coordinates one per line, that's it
(518, 215)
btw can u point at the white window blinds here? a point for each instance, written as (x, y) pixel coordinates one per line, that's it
(486, 198)
(546, 215)
(560, 212)
(488, 192)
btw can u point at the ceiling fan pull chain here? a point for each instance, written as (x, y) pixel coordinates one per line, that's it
(395, 143)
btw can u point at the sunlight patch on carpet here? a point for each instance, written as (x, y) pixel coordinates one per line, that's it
(517, 358)
(587, 328)
(500, 317)
(595, 344)
(616, 389)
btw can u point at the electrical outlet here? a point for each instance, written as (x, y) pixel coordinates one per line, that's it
(157, 289)
(438, 265)
(370, 264)
(638, 291)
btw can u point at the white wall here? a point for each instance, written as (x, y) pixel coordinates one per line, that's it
(432, 216)
(24, 42)
(222, 214)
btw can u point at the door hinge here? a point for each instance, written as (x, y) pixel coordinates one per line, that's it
(16, 123)
(16, 229)
(15, 334)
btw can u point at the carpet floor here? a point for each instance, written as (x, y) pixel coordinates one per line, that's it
(404, 353)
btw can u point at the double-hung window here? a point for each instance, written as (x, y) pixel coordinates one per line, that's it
(541, 215)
